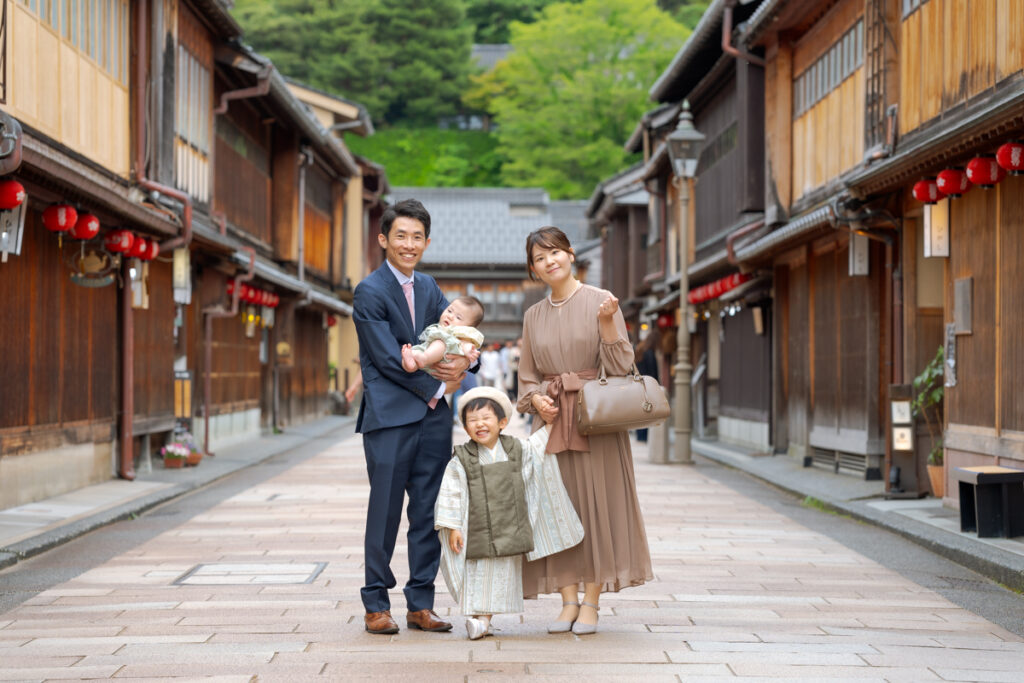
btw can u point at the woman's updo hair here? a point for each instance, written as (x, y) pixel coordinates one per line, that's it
(548, 237)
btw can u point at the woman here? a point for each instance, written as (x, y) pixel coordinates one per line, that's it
(566, 337)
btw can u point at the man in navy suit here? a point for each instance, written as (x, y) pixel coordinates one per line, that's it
(404, 419)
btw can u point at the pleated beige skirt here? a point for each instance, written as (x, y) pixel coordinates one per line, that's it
(614, 551)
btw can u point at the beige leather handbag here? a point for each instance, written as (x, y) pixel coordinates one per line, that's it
(616, 404)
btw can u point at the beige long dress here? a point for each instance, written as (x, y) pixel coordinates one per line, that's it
(562, 339)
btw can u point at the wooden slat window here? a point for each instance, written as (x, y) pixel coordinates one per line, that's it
(909, 6)
(98, 29)
(192, 84)
(829, 71)
(3, 54)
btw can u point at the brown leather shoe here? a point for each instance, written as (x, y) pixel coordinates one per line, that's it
(426, 620)
(380, 622)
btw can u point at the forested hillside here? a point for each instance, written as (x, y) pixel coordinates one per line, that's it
(555, 112)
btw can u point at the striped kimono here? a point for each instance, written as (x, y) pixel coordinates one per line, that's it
(495, 585)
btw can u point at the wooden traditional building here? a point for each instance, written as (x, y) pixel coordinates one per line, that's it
(162, 127)
(730, 331)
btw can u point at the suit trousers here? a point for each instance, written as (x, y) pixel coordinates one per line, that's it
(409, 459)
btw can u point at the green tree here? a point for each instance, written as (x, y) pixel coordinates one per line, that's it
(686, 12)
(431, 157)
(572, 90)
(422, 50)
(325, 43)
(403, 59)
(491, 18)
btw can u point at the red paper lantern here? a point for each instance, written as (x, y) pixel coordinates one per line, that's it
(331, 321)
(927, 191)
(119, 241)
(152, 250)
(12, 194)
(666, 320)
(274, 300)
(60, 217)
(984, 172)
(1011, 157)
(86, 227)
(246, 294)
(231, 287)
(953, 182)
(139, 247)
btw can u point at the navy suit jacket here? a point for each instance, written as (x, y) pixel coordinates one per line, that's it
(391, 396)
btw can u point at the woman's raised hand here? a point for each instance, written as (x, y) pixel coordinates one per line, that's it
(607, 308)
(545, 406)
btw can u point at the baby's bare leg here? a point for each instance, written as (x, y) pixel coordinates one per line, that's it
(414, 359)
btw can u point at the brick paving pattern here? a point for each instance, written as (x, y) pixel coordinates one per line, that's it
(741, 592)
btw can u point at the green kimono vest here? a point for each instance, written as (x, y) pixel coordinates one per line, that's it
(498, 521)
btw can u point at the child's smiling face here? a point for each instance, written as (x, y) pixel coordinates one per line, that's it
(483, 426)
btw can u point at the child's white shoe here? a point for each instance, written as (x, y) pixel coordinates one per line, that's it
(478, 628)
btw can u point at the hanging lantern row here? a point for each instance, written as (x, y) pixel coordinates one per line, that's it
(252, 295)
(131, 245)
(61, 218)
(985, 171)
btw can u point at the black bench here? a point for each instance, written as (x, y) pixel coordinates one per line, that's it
(991, 500)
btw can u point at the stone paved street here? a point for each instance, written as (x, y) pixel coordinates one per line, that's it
(265, 584)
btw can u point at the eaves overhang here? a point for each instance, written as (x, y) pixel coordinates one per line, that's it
(962, 131)
(329, 148)
(216, 13)
(79, 179)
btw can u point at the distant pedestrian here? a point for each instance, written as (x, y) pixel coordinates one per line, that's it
(490, 367)
(647, 364)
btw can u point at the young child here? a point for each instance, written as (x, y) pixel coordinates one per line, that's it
(455, 335)
(501, 498)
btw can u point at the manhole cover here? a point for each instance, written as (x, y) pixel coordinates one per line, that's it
(238, 573)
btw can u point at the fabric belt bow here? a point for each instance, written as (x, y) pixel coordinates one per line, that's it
(563, 389)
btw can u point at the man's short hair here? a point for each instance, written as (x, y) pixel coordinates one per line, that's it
(408, 208)
(481, 402)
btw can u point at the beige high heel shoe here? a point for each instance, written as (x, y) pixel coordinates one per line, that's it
(563, 626)
(582, 629)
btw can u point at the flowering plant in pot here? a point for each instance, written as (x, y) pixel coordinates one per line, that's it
(175, 454)
(181, 451)
(927, 403)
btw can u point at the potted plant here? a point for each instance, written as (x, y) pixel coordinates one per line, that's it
(927, 403)
(194, 454)
(175, 454)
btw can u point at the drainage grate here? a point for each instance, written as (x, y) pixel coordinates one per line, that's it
(237, 573)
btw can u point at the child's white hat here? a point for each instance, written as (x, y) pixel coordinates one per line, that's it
(496, 395)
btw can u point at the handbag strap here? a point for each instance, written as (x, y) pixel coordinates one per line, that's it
(602, 378)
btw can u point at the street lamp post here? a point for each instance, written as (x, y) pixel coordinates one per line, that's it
(683, 148)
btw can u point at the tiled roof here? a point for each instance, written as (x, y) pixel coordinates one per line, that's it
(486, 56)
(489, 225)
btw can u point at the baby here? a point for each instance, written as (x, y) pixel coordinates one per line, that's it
(454, 335)
(501, 500)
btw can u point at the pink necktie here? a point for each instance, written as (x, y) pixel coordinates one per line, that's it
(407, 290)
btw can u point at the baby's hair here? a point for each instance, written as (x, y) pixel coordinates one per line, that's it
(478, 308)
(481, 402)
